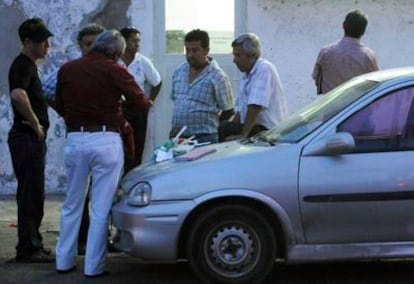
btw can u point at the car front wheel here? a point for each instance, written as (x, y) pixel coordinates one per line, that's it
(231, 244)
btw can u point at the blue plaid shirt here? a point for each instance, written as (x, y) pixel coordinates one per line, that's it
(198, 104)
(49, 86)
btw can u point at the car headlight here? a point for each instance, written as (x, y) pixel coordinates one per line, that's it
(139, 194)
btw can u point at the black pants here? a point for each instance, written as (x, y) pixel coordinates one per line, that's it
(28, 158)
(138, 122)
(228, 128)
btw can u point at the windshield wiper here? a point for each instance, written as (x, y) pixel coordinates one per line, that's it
(248, 140)
(258, 138)
(261, 138)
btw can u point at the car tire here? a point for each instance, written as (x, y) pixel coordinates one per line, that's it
(231, 244)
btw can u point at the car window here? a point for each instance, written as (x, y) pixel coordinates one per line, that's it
(301, 124)
(385, 124)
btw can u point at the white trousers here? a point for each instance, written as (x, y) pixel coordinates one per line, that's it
(98, 155)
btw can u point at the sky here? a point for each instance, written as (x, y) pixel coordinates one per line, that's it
(211, 15)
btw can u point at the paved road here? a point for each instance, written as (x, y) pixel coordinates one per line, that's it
(125, 269)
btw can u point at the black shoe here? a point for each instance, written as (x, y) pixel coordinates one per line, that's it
(64, 271)
(102, 274)
(37, 257)
(11, 260)
(47, 251)
(111, 247)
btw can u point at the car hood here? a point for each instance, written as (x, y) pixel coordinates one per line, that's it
(232, 166)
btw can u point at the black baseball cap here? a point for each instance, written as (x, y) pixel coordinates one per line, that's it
(34, 29)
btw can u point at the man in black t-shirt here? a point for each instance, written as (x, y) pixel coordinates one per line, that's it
(27, 140)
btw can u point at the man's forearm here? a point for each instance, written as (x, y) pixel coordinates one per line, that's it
(22, 104)
(226, 114)
(155, 91)
(252, 113)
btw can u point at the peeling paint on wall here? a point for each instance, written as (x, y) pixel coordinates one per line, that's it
(9, 16)
(111, 14)
(64, 17)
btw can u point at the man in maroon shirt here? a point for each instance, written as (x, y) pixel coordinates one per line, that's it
(88, 96)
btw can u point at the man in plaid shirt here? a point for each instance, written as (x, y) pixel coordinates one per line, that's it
(201, 92)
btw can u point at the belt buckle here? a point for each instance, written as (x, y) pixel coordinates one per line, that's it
(100, 128)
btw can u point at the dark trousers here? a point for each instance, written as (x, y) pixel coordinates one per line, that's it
(138, 122)
(203, 137)
(228, 128)
(28, 158)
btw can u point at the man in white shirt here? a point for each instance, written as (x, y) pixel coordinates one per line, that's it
(260, 102)
(149, 80)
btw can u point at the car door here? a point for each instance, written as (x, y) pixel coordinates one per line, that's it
(366, 195)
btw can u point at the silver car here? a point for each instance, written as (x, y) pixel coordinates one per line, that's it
(332, 182)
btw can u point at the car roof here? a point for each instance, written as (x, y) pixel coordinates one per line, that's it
(401, 73)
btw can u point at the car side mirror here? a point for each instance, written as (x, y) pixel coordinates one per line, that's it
(331, 145)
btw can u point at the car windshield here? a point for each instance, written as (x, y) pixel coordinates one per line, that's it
(300, 124)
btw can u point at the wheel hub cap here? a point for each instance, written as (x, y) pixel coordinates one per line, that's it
(232, 250)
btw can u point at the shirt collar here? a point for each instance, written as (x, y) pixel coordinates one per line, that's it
(254, 68)
(351, 39)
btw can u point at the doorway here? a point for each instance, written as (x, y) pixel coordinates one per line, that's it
(223, 20)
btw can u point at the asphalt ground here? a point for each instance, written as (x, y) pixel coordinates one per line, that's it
(122, 268)
(126, 269)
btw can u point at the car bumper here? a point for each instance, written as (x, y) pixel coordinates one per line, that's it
(150, 233)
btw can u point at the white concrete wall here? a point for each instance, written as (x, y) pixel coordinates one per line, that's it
(291, 31)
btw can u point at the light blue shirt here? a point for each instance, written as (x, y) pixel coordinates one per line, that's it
(49, 85)
(262, 86)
